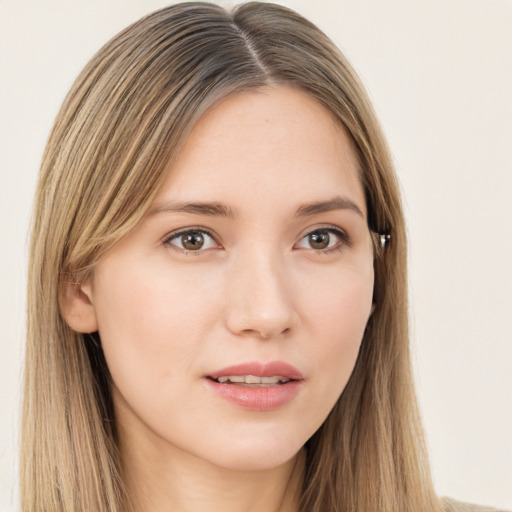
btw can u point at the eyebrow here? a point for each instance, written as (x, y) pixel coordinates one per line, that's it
(213, 209)
(216, 209)
(337, 203)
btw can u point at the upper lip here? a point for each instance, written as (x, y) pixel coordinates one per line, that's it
(258, 369)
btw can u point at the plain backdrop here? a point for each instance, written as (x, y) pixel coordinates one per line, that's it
(440, 76)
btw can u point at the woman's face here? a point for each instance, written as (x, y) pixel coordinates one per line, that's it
(255, 264)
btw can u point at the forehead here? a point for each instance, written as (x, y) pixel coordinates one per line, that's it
(273, 146)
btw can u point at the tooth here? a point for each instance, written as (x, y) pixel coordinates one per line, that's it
(270, 380)
(252, 379)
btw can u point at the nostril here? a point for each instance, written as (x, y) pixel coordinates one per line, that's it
(266, 335)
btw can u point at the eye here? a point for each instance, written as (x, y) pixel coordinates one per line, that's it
(192, 240)
(324, 239)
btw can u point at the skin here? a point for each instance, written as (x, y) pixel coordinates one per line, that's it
(256, 290)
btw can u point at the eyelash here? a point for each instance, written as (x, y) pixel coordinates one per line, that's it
(344, 239)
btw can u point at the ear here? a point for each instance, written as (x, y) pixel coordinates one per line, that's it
(77, 308)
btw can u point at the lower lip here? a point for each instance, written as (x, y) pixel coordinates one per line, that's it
(266, 398)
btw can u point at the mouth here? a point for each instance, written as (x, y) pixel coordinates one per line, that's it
(273, 373)
(257, 386)
(252, 380)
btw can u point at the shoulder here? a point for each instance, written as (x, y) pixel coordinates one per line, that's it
(451, 505)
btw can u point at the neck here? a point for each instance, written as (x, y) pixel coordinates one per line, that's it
(165, 480)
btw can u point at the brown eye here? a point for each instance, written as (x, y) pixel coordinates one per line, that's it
(192, 240)
(319, 240)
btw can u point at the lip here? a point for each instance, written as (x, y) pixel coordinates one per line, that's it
(258, 398)
(258, 369)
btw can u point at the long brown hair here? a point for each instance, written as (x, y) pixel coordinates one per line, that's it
(123, 121)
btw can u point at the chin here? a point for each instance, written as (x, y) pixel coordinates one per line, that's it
(254, 452)
(255, 460)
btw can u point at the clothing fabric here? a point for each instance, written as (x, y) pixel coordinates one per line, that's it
(451, 505)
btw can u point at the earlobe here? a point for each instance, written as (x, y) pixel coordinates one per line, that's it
(77, 307)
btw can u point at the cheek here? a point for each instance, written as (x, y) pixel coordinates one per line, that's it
(340, 303)
(338, 316)
(152, 325)
(152, 304)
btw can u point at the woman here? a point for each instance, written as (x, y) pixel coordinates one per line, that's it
(217, 288)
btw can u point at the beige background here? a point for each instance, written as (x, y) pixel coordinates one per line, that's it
(440, 75)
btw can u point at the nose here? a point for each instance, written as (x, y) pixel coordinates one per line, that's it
(260, 297)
